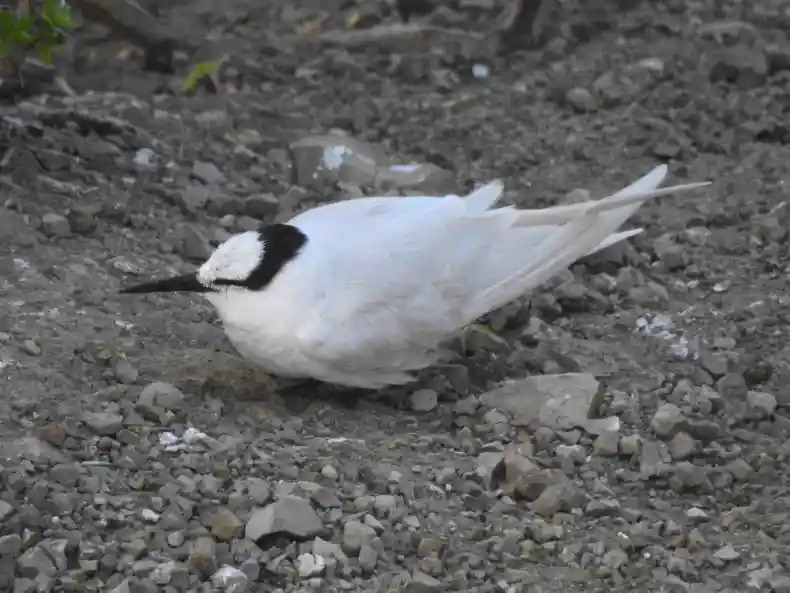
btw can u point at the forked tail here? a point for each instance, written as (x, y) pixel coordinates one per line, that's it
(581, 229)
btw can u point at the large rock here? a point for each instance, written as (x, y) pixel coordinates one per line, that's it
(291, 515)
(560, 402)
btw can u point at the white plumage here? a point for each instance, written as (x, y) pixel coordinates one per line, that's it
(381, 281)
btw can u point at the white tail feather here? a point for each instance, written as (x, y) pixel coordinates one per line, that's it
(580, 229)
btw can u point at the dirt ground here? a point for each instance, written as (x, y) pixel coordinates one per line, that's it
(141, 454)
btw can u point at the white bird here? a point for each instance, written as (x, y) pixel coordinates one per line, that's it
(360, 293)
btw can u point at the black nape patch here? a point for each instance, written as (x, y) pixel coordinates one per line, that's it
(282, 243)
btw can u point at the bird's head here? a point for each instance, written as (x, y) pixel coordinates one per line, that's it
(247, 261)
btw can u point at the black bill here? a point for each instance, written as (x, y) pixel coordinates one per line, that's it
(183, 283)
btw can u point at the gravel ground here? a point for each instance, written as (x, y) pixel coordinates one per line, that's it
(624, 429)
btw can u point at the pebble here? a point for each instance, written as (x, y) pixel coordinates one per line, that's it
(207, 172)
(666, 420)
(424, 400)
(607, 444)
(762, 403)
(55, 225)
(290, 515)
(103, 423)
(581, 99)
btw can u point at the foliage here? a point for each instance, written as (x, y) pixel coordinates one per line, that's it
(42, 30)
(201, 70)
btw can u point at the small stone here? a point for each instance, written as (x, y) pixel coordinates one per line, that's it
(329, 472)
(764, 404)
(327, 549)
(103, 423)
(560, 402)
(780, 584)
(740, 469)
(666, 420)
(82, 218)
(123, 370)
(225, 525)
(35, 562)
(607, 444)
(230, 580)
(203, 556)
(581, 99)
(261, 206)
(290, 515)
(356, 535)
(193, 198)
(310, 565)
(368, 557)
(743, 66)
(687, 476)
(424, 400)
(727, 553)
(682, 446)
(423, 583)
(10, 545)
(192, 244)
(55, 225)
(207, 172)
(157, 398)
(31, 347)
(631, 444)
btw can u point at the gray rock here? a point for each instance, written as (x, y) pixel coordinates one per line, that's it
(310, 565)
(687, 476)
(653, 459)
(761, 403)
(6, 510)
(327, 549)
(230, 580)
(82, 218)
(727, 553)
(318, 160)
(368, 557)
(193, 198)
(225, 525)
(192, 244)
(631, 444)
(424, 400)
(355, 535)
(740, 469)
(581, 99)
(666, 420)
(489, 467)
(207, 172)
(261, 206)
(103, 423)
(560, 402)
(740, 65)
(11, 544)
(35, 562)
(607, 444)
(682, 446)
(203, 556)
(290, 515)
(55, 225)
(157, 398)
(423, 583)
(31, 347)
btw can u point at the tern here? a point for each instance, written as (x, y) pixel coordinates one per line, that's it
(360, 293)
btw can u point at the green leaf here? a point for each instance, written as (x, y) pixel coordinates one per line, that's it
(199, 71)
(8, 21)
(45, 52)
